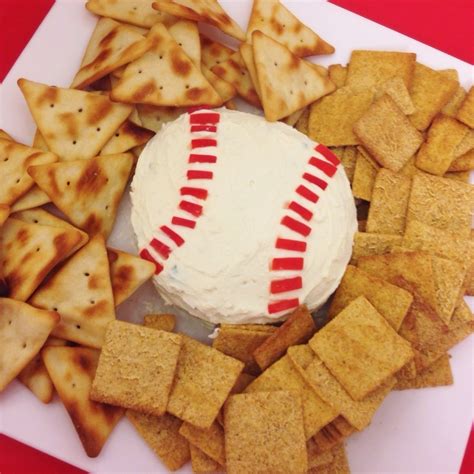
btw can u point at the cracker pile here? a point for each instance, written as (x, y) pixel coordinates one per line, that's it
(262, 398)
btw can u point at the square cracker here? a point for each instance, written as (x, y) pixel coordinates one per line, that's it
(464, 162)
(389, 300)
(397, 90)
(365, 172)
(204, 378)
(349, 159)
(373, 68)
(361, 349)
(264, 433)
(136, 368)
(338, 74)
(210, 441)
(466, 110)
(387, 134)
(452, 107)
(442, 203)
(332, 118)
(366, 244)
(389, 202)
(201, 463)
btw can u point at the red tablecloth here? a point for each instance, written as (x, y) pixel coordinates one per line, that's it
(444, 24)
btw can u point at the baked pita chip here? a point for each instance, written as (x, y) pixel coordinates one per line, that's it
(224, 89)
(210, 441)
(246, 52)
(81, 292)
(88, 192)
(365, 174)
(397, 90)
(127, 136)
(14, 161)
(462, 163)
(286, 83)
(186, 34)
(465, 113)
(164, 322)
(164, 76)
(112, 45)
(161, 433)
(23, 331)
(72, 371)
(274, 20)
(28, 252)
(35, 377)
(430, 91)
(213, 52)
(338, 74)
(135, 12)
(127, 273)
(206, 11)
(35, 197)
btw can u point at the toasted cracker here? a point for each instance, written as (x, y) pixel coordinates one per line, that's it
(467, 144)
(442, 203)
(389, 202)
(338, 74)
(28, 252)
(374, 68)
(294, 117)
(165, 322)
(332, 118)
(430, 91)
(129, 135)
(161, 433)
(4, 213)
(387, 134)
(204, 378)
(349, 160)
(463, 163)
(462, 176)
(213, 52)
(302, 125)
(340, 464)
(437, 153)
(75, 124)
(23, 331)
(297, 329)
(210, 441)
(201, 463)
(390, 301)
(72, 370)
(366, 244)
(465, 113)
(87, 191)
(35, 197)
(259, 425)
(316, 459)
(365, 174)
(329, 438)
(361, 349)
(265, 328)
(36, 378)
(153, 117)
(246, 53)
(452, 107)
(186, 34)
(224, 89)
(397, 90)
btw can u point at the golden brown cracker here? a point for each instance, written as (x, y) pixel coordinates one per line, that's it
(465, 113)
(349, 160)
(164, 322)
(36, 378)
(397, 90)
(365, 173)
(210, 440)
(464, 162)
(452, 107)
(338, 74)
(366, 244)
(201, 463)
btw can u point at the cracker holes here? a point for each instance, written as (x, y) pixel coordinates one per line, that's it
(6, 159)
(161, 88)
(35, 221)
(10, 322)
(51, 105)
(86, 274)
(73, 385)
(107, 207)
(18, 180)
(98, 129)
(276, 64)
(291, 92)
(92, 301)
(187, 86)
(181, 44)
(161, 56)
(301, 40)
(135, 8)
(55, 309)
(37, 249)
(140, 71)
(24, 345)
(68, 183)
(117, 134)
(74, 142)
(79, 110)
(78, 326)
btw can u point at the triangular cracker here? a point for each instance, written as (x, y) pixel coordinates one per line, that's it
(87, 191)
(75, 124)
(81, 292)
(287, 83)
(186, 34)
(23, 330)
(14, 161)
(28, 252)
(213, 52)
(4, 213)
(246, 51)
(35, 197)
(111, 46)
(164, 76)
(35, 377)
(72, 370)
(127, 136)
(207, 11)
(127, 273)
(224, 89)
(276, 21)
(153, 117)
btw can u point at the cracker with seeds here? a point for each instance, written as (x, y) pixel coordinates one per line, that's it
(264, 433)
(164, 322)
(361, 349)
(365, 173)
(210, 440)
(136, 368)
(397, 90)
(465, 113)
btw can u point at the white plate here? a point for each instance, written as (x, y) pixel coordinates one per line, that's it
(414, 431)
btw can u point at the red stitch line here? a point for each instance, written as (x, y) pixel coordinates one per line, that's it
(203, 142)
(161, 248)
(288, 263)
(306, 214)
(176, 238)
(194, 158)
(296, 226)
(328, 154)
(195, 192)
(146, 255)
(204, 118)
(191, 207)
(203, 128)
(327, 168)
(320, 183)
(198, 174)
(290, 244)
(307, 194)
(286, 284)
(181, 221)
(283, 305)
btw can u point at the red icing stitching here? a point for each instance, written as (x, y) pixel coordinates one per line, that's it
(288, 263)
(198, 174)
(327, 168)
(191, 207)
(161, 248)
(286, 284)
(203, 128)
(328, 154)
(283, 305)
(303, 191)
(195, 192)
(146, 255)
(204, 118)
(193, 158)
(182, 222)
(305, 213)
(320, 183)
(176, 238)
(290, 244)
(296, 226)
(203, 143)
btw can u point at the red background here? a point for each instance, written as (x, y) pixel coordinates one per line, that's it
(447, 25)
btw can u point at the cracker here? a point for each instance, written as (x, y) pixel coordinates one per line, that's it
(75, 124)
(35, 197)
(330, 437)
(246, 53)
(340, 464)
(437, 153)
(153, 117)
(164, 322)
(260, 425)
(81, 292)
(365, 173)
(23, 331)
(294, 117)
(452, 107)
(390, 301)
(467, 144)
(361, 349)
(463, 163)
(186, 34)
(373, 244)
(210, 440)
(374, 68)
(442, 203)
(72, 370)
(303, 122)
(338, 74)
(225, 90)
(213, 52)
(266, 328)
(242, 382)
(42, 217)
(204, 378)
(349, 160)
(136, 368)
(430, 91)
(465, 113)
(282, 375)
(389, 202)
(161, 433)
(129, 135)
(298, 328)
(35, 377)
(317, 459)
(462, 176)
(201, 463)
(333, 117)
(4, 213)
(387, 134)
(397, 90)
